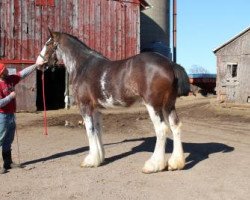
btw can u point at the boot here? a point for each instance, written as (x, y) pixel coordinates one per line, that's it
(7, 161)
(3, 170)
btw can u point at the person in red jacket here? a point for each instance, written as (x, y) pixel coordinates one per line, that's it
(8, 109)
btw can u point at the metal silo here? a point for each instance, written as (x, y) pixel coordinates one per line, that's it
(155, 27)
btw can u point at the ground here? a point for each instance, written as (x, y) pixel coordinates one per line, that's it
(216, 141)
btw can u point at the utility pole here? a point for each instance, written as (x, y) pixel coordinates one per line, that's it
(174, 29)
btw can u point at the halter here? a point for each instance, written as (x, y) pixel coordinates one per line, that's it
(42, 57)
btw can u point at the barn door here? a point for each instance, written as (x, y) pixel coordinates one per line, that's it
(54, 88)
(231, 92)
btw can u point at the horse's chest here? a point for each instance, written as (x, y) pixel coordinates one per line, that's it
(111, 102)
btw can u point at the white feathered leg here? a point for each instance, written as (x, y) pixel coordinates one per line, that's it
(177, 160)
(96, 150)
(157, 161)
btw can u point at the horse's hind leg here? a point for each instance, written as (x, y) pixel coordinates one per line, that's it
(176, 160)
(93, 128)
(157, 161)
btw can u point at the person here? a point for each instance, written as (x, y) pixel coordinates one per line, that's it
(7, 111)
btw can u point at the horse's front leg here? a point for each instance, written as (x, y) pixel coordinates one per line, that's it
(93, 128)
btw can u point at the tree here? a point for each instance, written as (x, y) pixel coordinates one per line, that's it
(196, 69)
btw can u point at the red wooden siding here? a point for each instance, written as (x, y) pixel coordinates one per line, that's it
(45, 2)
(108, 26)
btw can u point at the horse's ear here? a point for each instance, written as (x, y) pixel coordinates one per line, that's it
(51, 33)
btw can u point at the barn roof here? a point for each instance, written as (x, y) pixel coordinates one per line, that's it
(231, 40)
(145, 5)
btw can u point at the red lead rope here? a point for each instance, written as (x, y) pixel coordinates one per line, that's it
(44, 107)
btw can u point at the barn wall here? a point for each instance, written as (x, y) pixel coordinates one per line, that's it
(110, 27)
(238, 88)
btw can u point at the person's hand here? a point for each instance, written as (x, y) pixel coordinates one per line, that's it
(41, 63)
(13, 94)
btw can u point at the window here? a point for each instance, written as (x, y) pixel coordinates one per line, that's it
(232, 70)
(45, 2)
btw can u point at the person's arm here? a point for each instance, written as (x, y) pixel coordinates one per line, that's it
(4, 101)
(27, 71)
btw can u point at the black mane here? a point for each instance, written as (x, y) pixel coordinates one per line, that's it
(85, 48)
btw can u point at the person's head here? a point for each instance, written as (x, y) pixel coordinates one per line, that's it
(3, 70)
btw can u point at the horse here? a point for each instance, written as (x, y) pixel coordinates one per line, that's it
(98, 82)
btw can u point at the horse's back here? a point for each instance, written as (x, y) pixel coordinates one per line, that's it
(148, 75)
(159, 85)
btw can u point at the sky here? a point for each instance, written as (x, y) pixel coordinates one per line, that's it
(204, 25)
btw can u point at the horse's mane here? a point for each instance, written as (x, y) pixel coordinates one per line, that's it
(85, 47)
(77, 40)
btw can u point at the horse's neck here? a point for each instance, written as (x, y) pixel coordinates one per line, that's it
(74, 60)
(70, 59)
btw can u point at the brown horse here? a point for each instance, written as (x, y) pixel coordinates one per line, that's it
(100, 83)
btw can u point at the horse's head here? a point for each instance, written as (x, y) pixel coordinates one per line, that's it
(48, 52)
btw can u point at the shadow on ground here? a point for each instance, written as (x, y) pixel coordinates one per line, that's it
(197, 151)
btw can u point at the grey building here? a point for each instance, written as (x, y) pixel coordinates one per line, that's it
(233, 69)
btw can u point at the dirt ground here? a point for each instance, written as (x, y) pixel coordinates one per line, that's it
(216, 140)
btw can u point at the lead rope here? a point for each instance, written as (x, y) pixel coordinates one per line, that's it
(44, 100)
(44, 106)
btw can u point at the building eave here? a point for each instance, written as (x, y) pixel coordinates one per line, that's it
(231, 40)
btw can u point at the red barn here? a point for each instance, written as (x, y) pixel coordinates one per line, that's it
(108, 26)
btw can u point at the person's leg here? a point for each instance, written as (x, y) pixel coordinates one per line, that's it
(10, 132)
(8, 140)
(3, 128)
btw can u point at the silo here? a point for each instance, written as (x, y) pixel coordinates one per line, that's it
(155, 27)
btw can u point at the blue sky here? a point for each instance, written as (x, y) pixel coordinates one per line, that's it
(203, 25)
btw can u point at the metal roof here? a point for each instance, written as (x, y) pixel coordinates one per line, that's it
(231, 40)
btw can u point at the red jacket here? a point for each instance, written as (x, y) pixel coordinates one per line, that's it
(6, 87)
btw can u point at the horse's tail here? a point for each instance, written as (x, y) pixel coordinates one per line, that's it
(182, 80)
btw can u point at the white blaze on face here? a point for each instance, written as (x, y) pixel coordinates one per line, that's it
(40, 58)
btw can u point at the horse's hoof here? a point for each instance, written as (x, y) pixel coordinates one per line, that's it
(87, 165)
(176, 164)
(90, 161)
(153, 167)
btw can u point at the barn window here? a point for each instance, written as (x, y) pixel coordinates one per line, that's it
(45, 2)
(248, 99)
(232, 70)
